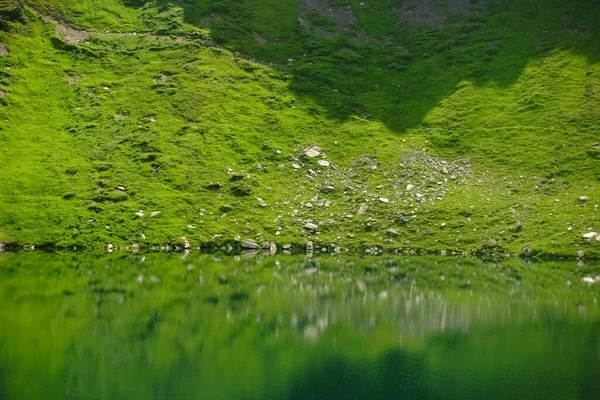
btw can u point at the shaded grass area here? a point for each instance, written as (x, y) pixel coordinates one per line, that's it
(512, 87)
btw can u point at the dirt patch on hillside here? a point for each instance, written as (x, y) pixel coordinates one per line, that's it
(433, 13)
(68, 34)
(342, 16)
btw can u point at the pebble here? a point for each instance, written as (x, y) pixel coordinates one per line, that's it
(392, 232)
(313, 152)
(583, 198)
(384, 200)
(261, 202)
(363, 208)
(324, 163)
(328, 189)
(154, 213)
(309, 247)
(311, 227)
(409, 187)
(250, 244)
(140, 213)
(296, 166)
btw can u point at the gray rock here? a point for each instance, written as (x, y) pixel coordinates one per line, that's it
(311, 227)
(250, 244)
(261, 202)
(393, 233)
(328, 189)
(410, 187)
(272, 249)
(363, 208)
(121, 189)
(324, 163)
(309, 247)
(296, 166)
(583, 198)
(313, 152)
(384, 200)
(213, 186)
(262, 168)
(580, 254)
(287, 246)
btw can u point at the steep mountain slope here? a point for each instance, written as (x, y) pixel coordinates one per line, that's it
(439, 125)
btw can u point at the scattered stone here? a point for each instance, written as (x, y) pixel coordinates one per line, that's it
(155, 213)
(140, 213)
(443, 225)
(140, 279)
(324, 163)
(309, 226)
(392, 232)
(213, 186)
(384, 200)
(250, 244)
(261, 202)
(410, 187)
(109, 248)
(237, 178)
(444, 170)
(580, 254)
(583, 198)
(121, 189)
(287, 246)
(527, 250)
(362, 209)
(313, 152)
(427, 232)
(338, 250)
(328, 189)
(186, 244)
(262, 168)
(296, 166)
(309, 247)
(590, 235)
(272, 248)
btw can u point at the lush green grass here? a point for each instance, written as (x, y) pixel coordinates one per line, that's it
(512, 87)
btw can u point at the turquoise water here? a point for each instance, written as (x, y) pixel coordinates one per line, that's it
(161, 326)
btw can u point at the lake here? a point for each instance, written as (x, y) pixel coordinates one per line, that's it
(198, 326)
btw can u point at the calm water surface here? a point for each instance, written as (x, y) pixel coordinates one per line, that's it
(171, 327)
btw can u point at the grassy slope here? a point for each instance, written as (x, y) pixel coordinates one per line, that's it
(513, 88)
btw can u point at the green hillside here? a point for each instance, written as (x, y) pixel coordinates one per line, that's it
(414, 126)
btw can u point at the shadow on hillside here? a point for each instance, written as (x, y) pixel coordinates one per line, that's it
(386, 71)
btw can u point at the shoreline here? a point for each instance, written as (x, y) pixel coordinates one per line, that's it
(294, 249)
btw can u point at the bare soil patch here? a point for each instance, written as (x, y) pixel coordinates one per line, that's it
(433, 13)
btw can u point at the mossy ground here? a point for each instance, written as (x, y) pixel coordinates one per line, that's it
(512, 86)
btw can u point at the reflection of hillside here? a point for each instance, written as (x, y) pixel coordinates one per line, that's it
(364, 328)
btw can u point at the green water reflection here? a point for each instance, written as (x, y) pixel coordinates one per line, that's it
(162, 326)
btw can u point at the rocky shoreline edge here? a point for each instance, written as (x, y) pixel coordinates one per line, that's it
(251, 248)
